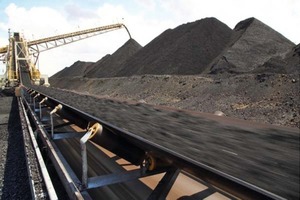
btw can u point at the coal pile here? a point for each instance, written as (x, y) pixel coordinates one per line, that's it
(110, 64)
(76, 70)
(185, 50)
(206, 46)
(105, 67)
(292, 60)
(253, 43)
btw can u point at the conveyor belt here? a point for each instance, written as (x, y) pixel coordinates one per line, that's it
(25, 78)
(230, 148)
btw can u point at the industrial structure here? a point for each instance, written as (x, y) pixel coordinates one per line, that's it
(21, 55)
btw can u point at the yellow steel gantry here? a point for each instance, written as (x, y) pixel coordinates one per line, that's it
(20, 55)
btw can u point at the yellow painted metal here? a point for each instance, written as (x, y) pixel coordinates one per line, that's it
(77, 33)
(96, 128)
(18, 44)
(3, 49)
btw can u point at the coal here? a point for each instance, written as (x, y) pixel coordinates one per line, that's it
(107, 66)
(110, 64)
(185, 50)
(253, 97)
(223, 65)
(289, 65)
(292, 60)
(76, 70)
(14, 181)
(200, 47)
(253, 43)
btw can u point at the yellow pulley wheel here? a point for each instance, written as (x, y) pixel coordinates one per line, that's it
(95, 129)
(151, 162)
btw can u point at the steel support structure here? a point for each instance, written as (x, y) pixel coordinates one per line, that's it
(86, 183)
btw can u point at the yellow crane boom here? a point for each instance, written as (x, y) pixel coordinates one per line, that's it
(19, 54)
(59, 40)
(3, 49)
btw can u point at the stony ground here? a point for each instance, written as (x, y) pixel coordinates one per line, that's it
(14, 182)
(251, 72)
(265, 98)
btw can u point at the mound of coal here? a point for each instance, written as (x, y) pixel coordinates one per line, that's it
(203, 46)
(293, 60)
(266, 98)
(253, 43)
(266, 91)
(109, 65)
(76, 70)
(187, 49)
(59, 73)
(289, 65)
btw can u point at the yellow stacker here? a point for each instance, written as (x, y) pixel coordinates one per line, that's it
(21, 55)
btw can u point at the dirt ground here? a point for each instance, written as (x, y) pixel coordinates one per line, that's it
(266, 98)
(14, 183)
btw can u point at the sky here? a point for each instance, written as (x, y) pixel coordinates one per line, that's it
(145, 19)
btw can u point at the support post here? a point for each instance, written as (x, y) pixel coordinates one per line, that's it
(96, 128)
(57, 108)
(30, 96)
(34, 101)
(40, 104)
(164, 186)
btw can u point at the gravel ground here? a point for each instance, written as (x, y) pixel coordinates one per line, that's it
(265, 98)
(14, 182)
(264, 156)
(36, 179)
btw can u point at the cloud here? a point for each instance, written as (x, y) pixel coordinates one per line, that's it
(147, 4)
(75, 12)
(35, 22)
(281, 15)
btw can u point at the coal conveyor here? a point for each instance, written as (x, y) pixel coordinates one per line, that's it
(97, 159)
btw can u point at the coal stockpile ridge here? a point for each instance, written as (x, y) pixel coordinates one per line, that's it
(265, 98)
(235, 93)
(288, 65)
(252, 44)
(200, 47)
(292, 60)
(110, 65)
(76, 70)
(206, 139)
(187, 49)
(59, 73)
(98, 63)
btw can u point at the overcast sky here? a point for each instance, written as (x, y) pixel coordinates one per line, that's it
(145, 20)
